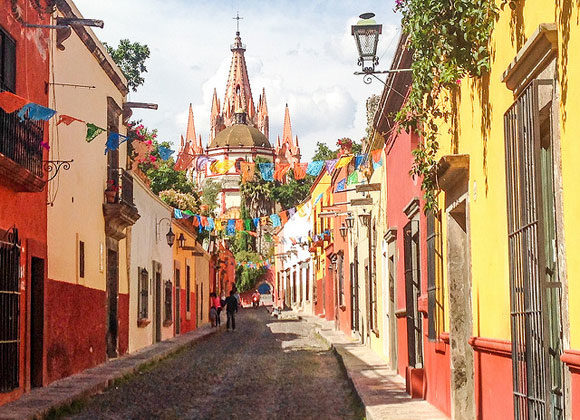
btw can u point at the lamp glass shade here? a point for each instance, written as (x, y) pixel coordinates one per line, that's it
(181, 240)
(349, 222)
(170, 237)
(366, 35)
(343, 230)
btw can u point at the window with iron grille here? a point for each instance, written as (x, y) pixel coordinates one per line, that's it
(188, 288)
(412, 293)
(7, 62)
(81, 259)
(9, 310)
(143, 303)
(340, 273)
(168, 301)
(435, 291)
(307, 293)
(535, 287)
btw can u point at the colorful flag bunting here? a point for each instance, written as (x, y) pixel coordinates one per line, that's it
(165, 152)
(281, 171)
(315, 167)
(10, 102)
(66, 119)
(353, 178)
(93, 131)
(343, 161)
(300, 170)
(359, 161)
(36, 112)
(248, 169)
(377, 158)
(267, 171)
(330, 165)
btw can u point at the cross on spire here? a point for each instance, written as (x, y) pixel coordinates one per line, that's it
(237, 19)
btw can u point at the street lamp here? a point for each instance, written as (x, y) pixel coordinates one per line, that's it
(366, 34)
(343, 231)
(349, 221)
(181, 240)
(170, 236)
(365, 219)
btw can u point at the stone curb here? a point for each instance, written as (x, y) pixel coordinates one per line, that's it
(39, 402)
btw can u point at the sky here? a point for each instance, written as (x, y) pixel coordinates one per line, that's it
(300, 51)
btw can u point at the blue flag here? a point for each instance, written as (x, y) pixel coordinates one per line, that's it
(165, 152)
(358, 161)
(256, 221)
(341, 186)
(275, 220)
(231, 228)
(210, 224)
(177, 214)
(36, 112)
(267, 171)
(315, 167)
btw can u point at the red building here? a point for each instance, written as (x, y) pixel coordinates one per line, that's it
(412, 253)
(24, 72)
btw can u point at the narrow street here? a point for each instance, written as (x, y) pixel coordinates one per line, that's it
(267, 368)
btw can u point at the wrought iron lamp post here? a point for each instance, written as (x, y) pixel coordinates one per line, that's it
(170, 236)
(366, 35)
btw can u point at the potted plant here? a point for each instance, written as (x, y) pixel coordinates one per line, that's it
(111, 191)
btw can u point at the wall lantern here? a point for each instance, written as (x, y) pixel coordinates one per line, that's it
(349, 221)
(343, 231)
(170, 236)
(366, 35)
(365, 219)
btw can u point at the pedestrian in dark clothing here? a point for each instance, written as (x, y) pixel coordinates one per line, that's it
(231, 309)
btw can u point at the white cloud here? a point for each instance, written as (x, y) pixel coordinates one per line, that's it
(300, 51)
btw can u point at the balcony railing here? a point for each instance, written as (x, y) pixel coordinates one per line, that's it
(21, 141)
(122, 181)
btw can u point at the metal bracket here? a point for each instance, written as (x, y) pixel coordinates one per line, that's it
(54, 166)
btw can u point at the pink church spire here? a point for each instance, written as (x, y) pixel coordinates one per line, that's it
(190, 133)
(238, 91)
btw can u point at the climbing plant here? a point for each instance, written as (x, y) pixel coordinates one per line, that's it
(449, 40)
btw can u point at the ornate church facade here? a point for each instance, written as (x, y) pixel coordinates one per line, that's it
(239, 132)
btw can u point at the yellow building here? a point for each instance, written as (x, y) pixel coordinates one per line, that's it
(87, 255)
(509, 200)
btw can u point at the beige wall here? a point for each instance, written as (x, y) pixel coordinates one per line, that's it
(146, 250)
(77, 212)
(201, 267)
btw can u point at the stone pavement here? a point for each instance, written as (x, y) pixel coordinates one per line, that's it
(381, 390)
(40, 401)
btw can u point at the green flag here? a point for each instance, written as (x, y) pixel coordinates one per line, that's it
(248, 224)
(353, 178)
(93, 131)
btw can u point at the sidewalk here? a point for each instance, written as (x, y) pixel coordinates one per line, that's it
(40, 401)
(380, 389)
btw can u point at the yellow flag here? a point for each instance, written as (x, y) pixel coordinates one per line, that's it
(218, 225)
(343, 161)
(221, 166)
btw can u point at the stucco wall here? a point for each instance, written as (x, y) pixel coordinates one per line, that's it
(146, 249)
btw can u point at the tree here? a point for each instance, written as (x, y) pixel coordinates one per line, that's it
(209, 196)
(130, 57)
(293, 192)
(323, 152)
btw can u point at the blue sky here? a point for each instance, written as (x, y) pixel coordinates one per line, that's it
(300, 51)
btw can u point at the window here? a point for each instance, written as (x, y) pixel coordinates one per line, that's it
(143, 293)
(435, 290)
(81, 259)
(294, 286)
(7, 62)
(9, 311)
(372, 273)
(340, 263)
(168, 301)
(188, 288)
(412, 293)
(307, 297)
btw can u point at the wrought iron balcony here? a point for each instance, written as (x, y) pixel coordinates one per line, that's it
(119, 209)
(21, 148)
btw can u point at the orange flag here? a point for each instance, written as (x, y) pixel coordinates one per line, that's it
(66, 119)
(284, 216)
(300, 170)
(248, 169)
(10, 102)
(239, 224)
(281, 170)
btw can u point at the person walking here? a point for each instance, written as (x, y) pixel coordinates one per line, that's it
(231, 309)
(216, 308)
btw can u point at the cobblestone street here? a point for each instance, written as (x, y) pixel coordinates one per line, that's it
(267, 368)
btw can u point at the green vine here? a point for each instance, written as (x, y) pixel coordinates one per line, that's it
(449, 40)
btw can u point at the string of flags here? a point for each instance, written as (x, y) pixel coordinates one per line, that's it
(253, 264)
(10, 103)
(277, 171)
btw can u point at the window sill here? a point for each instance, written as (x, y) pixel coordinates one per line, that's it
(167, 323)
(143, 322)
